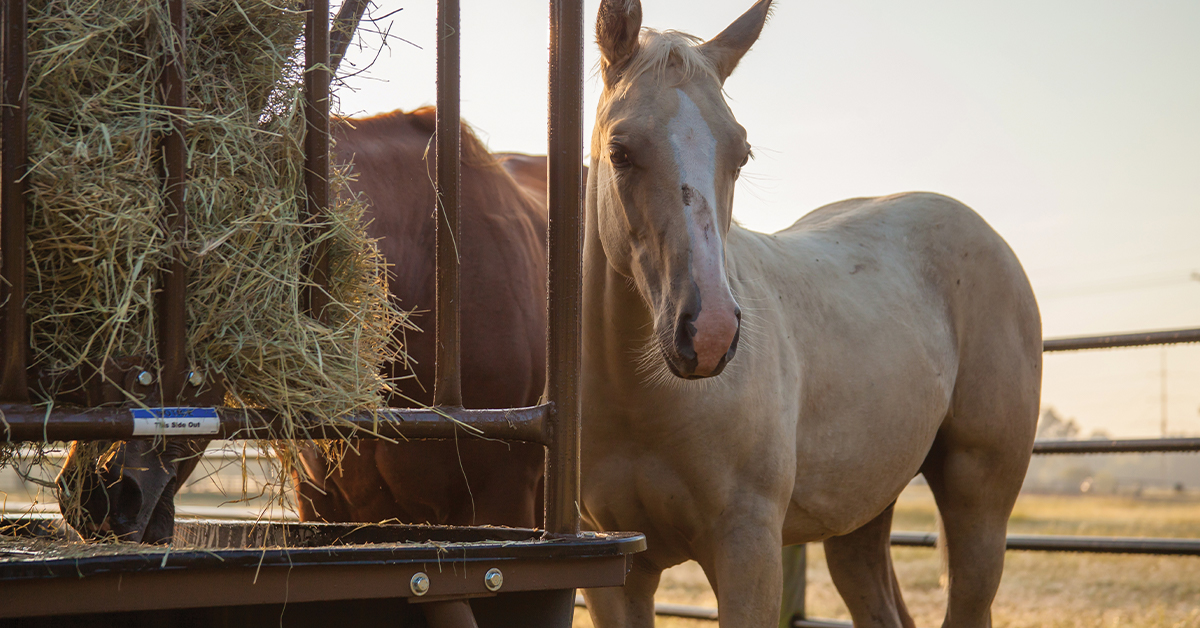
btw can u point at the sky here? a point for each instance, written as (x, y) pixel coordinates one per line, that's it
(1071, 126)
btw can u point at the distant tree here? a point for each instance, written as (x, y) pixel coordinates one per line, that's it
(1053, 425)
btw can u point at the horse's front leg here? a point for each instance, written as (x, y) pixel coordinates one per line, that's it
(630, 606)
(745, 569)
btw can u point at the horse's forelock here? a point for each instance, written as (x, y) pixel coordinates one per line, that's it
(660, 50)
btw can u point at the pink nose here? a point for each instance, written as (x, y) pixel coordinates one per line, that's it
(706, 344)
(715, 334)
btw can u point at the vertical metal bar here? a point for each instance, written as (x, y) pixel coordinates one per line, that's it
(172, 301)
(15, 330)
(316, 145)
(564, 287)
(447, 387)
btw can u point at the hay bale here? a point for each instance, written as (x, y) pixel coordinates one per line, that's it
(96, 204)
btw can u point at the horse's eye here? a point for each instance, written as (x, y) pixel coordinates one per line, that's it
(618, 155)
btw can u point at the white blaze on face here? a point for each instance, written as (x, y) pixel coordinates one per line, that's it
(695, 151)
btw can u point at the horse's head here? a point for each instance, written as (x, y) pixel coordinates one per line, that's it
(126, 489)
(666, 153)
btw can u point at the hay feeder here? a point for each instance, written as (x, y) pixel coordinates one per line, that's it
(156, 361)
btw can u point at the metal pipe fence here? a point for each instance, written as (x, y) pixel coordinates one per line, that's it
(553, 424)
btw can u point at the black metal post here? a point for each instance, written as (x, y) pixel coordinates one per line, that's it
(565, 258)
(316, 144)
(14, 328)
(172, 301)
(447, 387)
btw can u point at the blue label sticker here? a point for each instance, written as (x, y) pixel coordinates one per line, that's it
(175, 421)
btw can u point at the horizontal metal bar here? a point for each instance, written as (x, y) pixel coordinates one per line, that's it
(1057, 543)
(26, 423)
(671, 610)
(1123, 446)
(683, 610)
(820, 623)
(1113, 341)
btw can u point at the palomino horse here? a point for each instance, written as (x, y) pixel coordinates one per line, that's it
(503, 362)
(879, 338)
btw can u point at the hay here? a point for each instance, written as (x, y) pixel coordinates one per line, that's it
(96, 236)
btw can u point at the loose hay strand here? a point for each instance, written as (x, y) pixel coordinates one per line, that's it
(98, 244)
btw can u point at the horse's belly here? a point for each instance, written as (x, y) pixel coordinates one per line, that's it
(851, 464)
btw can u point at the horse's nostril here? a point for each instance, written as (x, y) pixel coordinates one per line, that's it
(685, 332)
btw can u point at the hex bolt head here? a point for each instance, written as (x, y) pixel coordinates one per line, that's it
(145, 378)
(419, 583)
(195, 378)
(493, 579)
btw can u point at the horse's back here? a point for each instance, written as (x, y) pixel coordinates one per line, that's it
(962, 270)
(940, 241)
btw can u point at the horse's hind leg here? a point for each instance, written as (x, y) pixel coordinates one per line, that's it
(975, 470)
(860, 564)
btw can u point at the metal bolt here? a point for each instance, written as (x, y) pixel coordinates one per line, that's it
(145, 378)
(493, 579)
(419, 583)
(195, 378)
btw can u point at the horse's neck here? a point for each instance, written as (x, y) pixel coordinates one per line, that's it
(616, 322)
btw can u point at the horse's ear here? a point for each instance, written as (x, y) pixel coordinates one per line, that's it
(726, 49)
(617, 26)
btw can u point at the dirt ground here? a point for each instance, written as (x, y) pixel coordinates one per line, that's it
(1039, 589)
(1053, 590)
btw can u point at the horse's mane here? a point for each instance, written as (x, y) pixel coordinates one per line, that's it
(472, 151)
(659, 51)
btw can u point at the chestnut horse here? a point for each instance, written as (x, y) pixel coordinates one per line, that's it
(503, 279)
(876, 338)
(503, 283)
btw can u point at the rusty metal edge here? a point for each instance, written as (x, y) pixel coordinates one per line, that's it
(1114, 341)
(27, 423)
(14, 328)
(121, 590)
(447, 387)
(564, 291)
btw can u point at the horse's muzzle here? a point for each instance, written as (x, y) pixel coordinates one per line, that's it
(703, 346)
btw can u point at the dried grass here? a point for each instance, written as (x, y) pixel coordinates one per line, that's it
(97, 241)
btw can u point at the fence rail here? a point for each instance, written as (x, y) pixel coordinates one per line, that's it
(1115, 341)
(1045, 542)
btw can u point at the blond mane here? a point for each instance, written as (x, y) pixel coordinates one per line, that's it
(660, 51)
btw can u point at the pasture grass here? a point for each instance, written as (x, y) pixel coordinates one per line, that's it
(1040, 589)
